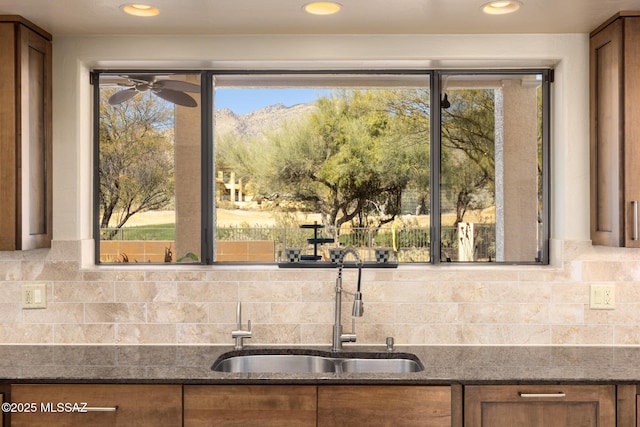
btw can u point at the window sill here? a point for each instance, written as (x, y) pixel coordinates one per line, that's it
(325, 264)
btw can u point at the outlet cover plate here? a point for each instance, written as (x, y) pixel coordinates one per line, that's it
(603, 297)
(34, 296)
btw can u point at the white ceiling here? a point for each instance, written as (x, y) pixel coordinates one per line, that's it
(85, 17)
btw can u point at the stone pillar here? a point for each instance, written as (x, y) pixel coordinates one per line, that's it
(187, 177)
(516, 141)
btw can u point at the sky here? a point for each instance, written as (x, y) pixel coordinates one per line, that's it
(243, 101)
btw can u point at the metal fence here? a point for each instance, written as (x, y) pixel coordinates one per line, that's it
(411, 244)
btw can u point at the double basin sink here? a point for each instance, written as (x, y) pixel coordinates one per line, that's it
(316, 362)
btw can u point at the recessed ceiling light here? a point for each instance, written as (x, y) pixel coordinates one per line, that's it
(501, 7)
(140, 9)
(322, 8)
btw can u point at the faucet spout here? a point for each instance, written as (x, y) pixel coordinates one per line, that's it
(239, 334)
(358, 306)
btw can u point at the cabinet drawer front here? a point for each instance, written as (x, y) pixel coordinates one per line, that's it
(107, 404)
(540, 406)
(249, 405)
(384, 406)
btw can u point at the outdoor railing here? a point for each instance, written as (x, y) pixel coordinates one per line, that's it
(412, 244)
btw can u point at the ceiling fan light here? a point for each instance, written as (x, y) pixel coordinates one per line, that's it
(140, 9)
(501, 7)
(322, 8)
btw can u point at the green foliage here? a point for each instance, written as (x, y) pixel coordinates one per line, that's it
(354, 157)
(295, 237)
(188, 257)
(405, 238)
(143, 232)
(468, 151)
(248, 232)
(349, 160)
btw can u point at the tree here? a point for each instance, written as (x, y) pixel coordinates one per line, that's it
(464, 184)
(412, 111)
(468, 140)
(350, 158)
(362, 150)
(136, 158)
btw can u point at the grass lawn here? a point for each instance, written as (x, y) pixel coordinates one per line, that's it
(150, 232)
(139, 225)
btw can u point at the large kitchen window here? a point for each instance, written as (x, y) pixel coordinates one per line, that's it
(253, 167)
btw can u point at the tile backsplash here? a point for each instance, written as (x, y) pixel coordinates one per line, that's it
(446, 304)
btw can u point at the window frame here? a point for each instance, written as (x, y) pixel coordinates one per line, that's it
(207, 149)
(436, 226)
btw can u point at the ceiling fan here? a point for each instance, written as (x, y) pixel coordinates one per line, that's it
(167, 89)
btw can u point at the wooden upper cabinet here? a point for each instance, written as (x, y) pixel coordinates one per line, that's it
(615, 131)
(25, 135)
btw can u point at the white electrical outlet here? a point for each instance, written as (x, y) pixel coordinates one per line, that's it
(603, 297)
(34, 296)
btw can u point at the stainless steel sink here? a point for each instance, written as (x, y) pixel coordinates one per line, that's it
(286, 363)
(319, 362)
(381, 365)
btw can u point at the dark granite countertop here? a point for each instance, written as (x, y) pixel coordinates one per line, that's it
(192, 365)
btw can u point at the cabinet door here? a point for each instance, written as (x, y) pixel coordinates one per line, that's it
(631, 129)
(8, 136)
(384, 406)
(25, 138)
(615, 133)
(607, 204)
(540, 406)
(249, 405)
(34, 198)
(106, 405)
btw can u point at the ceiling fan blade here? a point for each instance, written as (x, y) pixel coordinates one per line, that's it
(177, 85)
(122, 96)
(176, 97)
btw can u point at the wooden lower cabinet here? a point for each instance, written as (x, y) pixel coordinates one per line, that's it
(111, 405)
(322, 406)
(540, 406)
(325, 405)
(628, 413)
(249, 405)
(384, 406)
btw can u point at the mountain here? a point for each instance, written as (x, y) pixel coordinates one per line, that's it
(255, 122)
